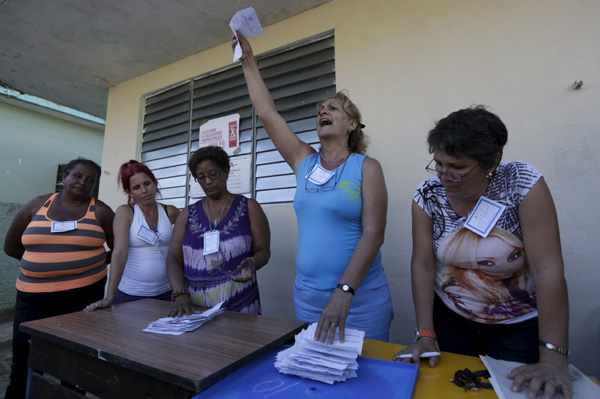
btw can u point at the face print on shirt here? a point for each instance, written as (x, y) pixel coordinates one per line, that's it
(485, 279)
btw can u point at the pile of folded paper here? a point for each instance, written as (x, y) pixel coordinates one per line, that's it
(320, 361)
(179, 325)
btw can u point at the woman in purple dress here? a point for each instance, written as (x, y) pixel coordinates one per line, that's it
(218, 243)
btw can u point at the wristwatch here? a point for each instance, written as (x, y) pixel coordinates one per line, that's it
(345, 288)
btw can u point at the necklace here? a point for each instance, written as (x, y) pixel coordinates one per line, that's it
(337, 160)
(222, 210)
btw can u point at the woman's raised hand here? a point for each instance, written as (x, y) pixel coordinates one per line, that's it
(244, 44)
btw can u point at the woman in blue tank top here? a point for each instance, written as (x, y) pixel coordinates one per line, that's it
(341, 206)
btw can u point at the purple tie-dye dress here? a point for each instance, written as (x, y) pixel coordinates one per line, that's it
(207, 276)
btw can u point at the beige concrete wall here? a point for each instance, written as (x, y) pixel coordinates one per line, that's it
(408, 63)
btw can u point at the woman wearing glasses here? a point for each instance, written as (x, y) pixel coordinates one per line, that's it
(218, 243)
(509, 318)
(341, 206)
(142, 230)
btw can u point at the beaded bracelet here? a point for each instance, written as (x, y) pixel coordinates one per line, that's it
(554, 348)
(179, 292)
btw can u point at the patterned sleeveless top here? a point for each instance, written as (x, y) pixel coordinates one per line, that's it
(207, 276)
(487, 280)
(62, 261)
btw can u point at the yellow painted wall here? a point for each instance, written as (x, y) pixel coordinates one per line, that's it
(407, 63)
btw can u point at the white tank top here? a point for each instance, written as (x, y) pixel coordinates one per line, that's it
(145, 272)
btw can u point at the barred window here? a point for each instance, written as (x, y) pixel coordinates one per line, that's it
(298, 76)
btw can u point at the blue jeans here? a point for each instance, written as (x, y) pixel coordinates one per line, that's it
(371, 310)
(516, 342)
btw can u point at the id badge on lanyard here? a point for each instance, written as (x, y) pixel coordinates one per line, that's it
(484, 216)
(147, 235)
(319, 176)
(211, 242)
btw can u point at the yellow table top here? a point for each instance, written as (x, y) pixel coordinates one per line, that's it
(433, 382)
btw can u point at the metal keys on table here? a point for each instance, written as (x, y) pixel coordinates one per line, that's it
(471, 380)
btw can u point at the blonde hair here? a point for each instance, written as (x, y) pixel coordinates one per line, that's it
(357, 140)
(460, 248)
(459, 253)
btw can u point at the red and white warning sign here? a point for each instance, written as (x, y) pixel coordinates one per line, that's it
(221, 132)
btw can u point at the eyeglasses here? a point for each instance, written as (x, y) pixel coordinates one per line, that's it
(317, 189)
(338, 176)
(211, 176)
(449, 176)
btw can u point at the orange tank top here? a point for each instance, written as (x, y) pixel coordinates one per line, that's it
(62, 261)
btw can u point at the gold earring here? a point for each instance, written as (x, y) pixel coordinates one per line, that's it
(489, 174)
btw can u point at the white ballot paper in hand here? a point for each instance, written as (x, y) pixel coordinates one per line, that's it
(322, 362)
(583, 387)
(179, 325)
(246, 21)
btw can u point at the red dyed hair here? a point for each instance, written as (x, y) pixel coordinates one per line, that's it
(129, 169)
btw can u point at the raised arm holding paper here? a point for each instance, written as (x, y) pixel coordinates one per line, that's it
(341, 205)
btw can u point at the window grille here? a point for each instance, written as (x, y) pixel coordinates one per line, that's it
(298, 76)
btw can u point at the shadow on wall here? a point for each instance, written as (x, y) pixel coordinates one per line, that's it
(9, 267)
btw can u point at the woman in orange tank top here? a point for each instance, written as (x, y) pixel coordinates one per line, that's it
(59, 239)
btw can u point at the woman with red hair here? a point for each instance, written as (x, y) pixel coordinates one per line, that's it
(142, 230)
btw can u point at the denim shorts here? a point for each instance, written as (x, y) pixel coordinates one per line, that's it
(371, 309)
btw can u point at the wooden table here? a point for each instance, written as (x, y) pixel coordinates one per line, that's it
(106, 353)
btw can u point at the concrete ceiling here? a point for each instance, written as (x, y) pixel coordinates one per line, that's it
(71, 51)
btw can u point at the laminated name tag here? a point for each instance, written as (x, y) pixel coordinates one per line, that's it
(61, 227)
(319, 176)
(147, 235)
(211, 242)
(484, 216)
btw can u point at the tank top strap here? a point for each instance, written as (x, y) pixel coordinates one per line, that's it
(91, 212)
(43, 211)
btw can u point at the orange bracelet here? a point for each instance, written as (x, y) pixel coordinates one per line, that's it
(424, 332)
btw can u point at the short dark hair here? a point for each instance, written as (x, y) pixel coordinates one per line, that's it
(210, 153)
(71, 165)
(472, 132)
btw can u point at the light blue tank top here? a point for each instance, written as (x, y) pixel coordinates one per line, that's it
(329, 223)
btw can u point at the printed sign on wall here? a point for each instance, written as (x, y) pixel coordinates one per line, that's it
(221, 132)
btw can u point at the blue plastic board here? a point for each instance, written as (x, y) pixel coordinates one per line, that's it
(260, 379)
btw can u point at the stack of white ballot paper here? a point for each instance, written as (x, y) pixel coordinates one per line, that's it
(179, 325)
(322, 362)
